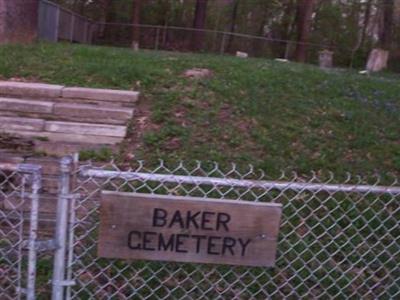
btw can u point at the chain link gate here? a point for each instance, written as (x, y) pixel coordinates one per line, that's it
(19, 203)
(337, 240)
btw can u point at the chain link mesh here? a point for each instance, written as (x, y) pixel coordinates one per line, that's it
(332, 243)
(14, 229)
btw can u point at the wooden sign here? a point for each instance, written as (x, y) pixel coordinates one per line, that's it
(186, 229)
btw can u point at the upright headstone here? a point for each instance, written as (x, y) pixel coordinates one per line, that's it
(325, 59)
(135, 46)
(18, 21)
(377, 60)
(242, 54)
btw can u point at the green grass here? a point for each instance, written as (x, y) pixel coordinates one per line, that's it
(273, 115)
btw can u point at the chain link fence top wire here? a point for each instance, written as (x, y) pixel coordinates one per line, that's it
(14, 229)
(332, 243)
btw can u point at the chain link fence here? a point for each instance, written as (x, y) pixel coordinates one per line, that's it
(59, 24)
(180, 39)
(19, 200)
(338, 238)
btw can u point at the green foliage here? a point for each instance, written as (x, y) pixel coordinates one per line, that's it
(273, 115)
(336, 25)
(102, 154)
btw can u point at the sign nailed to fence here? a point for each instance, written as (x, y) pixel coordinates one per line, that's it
(187, 229)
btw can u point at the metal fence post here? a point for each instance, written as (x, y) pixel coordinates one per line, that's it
(57, 24)
(58, 282)
(157, 38)
(85, 32)
(222, 49)
(34, 219)
(35, 173)
(72, 28)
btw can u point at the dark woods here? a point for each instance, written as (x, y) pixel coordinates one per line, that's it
(293, 29)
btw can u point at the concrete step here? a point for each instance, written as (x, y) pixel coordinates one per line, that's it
(86, 129)
(53, 129)
(6, 157)
(100, 94)
(76, 118)
(59, 92)
(67, 137)
(27, 106)
(27, 89)
(109, 115)
(9, 124)
(111, 104)
(92, 113)
(62, 148)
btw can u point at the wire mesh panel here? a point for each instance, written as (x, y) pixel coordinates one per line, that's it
(48, 21)
(66, 25)
(80, 29)
(18, 195)
(336, 240)
(57, 23)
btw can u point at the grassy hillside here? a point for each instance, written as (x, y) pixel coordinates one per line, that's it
(273, 115)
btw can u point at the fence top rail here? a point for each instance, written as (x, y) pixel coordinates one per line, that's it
(8, 167)
(23, 168)
(66, 10)
(240, 183)
(235, 34)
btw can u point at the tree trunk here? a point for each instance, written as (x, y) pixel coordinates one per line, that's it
(378, 58)
(303, 20)
(287, 27)
(105, 15)
(367, 16)
(361, 37)
(257, 45)
(136, 5)
(385, 38)
(18, 21)
(199, 23)
(232, 24)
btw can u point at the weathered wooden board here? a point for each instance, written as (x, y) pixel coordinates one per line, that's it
(185, 229)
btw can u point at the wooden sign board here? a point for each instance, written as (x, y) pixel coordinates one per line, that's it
(186, 229)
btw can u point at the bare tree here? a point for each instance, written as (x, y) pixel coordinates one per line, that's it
(136, 5)
(367, 17)
(199, 23)
(287, 26)
(303, 19)
(233, 23)
(361, 39)
(385, 38)
(105, 7)
(378, 57)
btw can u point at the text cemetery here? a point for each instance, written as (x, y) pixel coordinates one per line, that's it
(186, 229)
